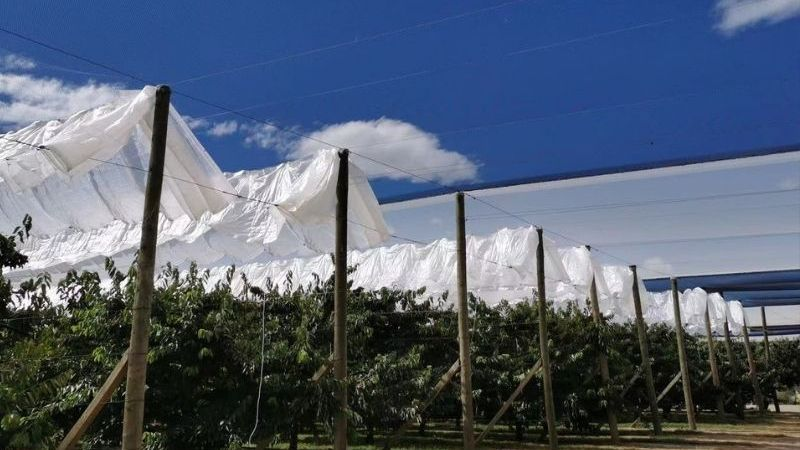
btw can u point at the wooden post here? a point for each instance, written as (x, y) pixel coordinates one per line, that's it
(340, 302)
(734, 363)
(100, 399)
(766, 354)
(507, 404)
(549, 407)
(712, 362)
(443, 381)
(133, 418)
(685, 379)
(463, 325)
(765, 334)
(643, 348)
(602, 360)
(751, 362)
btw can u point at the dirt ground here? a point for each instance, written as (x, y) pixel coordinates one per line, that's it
(773, 431)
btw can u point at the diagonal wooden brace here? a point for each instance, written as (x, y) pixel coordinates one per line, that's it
(669, 387)
(636, 376)
(100, 399)
(323, 370)
(444, 381)
(507, 404)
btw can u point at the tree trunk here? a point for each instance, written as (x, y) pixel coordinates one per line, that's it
(293, 441)
(370, 438)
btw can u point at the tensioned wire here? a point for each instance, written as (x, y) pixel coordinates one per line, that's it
(246, 198)
(300, 135)
(265, 122)
(304, 136)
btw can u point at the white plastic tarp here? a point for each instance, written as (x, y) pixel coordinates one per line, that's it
(693, 310)
(116, 133)
(735, 314)
(82, 180)
(499, 266)
(716, 313)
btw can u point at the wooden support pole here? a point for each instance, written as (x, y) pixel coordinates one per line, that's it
(685, 379)
(773, 392)
(443, 381)
(633, 379)
(734, 363)
(712, 363)
(765, 334)
(100, 400)
(669, 387)
(323, 370)
(549, 406)
(507, 404)
(340, 302)
(602, 360)
(463, 325)
(641, 328)
(751, 363)
(133, 417)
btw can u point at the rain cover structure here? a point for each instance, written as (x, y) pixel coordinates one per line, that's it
(82, 180)
(499, 266)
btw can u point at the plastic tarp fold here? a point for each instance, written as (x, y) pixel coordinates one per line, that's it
(499, 266)
(82, 180)
(618, 301)
(115, 133)
(716, 313)
(735, 314)
(693, 310)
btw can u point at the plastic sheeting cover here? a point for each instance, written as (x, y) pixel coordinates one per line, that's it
(500, 266)
(85, 209)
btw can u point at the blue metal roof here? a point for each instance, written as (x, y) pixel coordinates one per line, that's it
(768, 288)
(776, 330)
(593, 172)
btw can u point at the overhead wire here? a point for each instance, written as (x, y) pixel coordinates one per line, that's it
(582, 208)
(348, 43)
(430, 71)
(134, 77)
(39, 147)
(304, 241)
(304, 136)
(493, 206)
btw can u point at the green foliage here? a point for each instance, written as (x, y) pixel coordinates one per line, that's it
(205, 359)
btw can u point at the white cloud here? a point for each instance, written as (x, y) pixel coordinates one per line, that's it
(268, 137)
(737, 15)
(196, 123)
(225, 128)
(394, 142)
(25, 98)
(658, 266)
(12, 61)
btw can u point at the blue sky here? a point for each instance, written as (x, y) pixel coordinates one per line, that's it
(459, 92)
